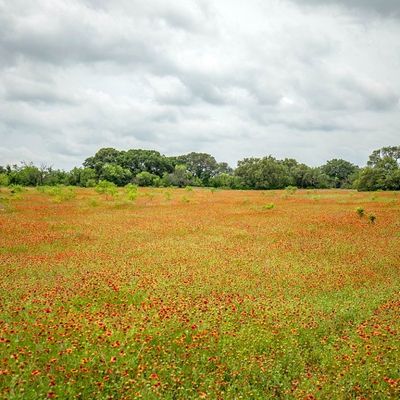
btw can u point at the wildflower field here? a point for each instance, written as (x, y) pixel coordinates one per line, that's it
(199, 294)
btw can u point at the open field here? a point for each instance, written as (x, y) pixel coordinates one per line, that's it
(194, 294)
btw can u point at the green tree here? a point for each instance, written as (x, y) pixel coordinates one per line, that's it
(340, 172)
(382, 172)
(26, 175)
(392, 152)
(263, 173)
(116, 174)
(224, 180)
(85, 177)
(138, 160)
(201, 165)
(181, 177)
(145, 178)
(104, 156)
(315, 178)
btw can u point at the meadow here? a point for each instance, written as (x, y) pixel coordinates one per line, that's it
(199, 294)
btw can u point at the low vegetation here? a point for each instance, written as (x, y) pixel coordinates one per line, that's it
(122, 293)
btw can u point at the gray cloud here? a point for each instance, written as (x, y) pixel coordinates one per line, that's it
(224, 77)
(383, 7)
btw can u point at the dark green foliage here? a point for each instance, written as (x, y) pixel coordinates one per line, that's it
(390, 152)
(102, 157)
(202, 166)
(138, 160)
(26, 175)
(85, 177)
(181, 177)
(382, 172)
(145, 178)
(340, 172)
(150, 168)
(263, 173)
(225, 180)
(270, 173)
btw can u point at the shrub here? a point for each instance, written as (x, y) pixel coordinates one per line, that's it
(14, 189)
(107, 188)
(360, 211)
(131, 191)
(372, 218)
(168, 195)
(291, 189)
(4, 181)
(60, 193)
(269, 206)
(147, 179)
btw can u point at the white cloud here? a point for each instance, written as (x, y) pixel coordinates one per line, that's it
(304, 79)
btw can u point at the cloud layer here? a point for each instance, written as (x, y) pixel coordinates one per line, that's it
(306, 79)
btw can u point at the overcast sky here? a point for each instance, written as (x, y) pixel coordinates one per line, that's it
(309, 79)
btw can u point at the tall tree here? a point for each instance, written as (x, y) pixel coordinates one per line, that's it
(340, 172)
(201, 165)
(382, 172)
(104, 156)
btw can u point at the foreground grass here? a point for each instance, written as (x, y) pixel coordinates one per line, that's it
(194, 294)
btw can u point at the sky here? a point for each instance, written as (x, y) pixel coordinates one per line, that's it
(305, 79)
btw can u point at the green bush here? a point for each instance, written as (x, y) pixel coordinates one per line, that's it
(108, 188)
(60, 193)
(291, 189)
(147, 179)
(360, 211)
(15, 189)
(269, 206)
(4, 180)
(131, 191)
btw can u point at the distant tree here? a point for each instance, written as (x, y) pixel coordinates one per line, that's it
(145, 178)
(85, 177)
(181, 177)
(382, 172)
(104, 156)
(300, 176)
(385, 153)
(340, 172)
(139, 160)
(26, 175)
(116, 174)
(224, 168)
(370, 179)
(263, 173)
(225, 180)
(201, 165)
(54, 177)
(315, 178)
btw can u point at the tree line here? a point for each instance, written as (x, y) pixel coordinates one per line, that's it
(151, 168)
